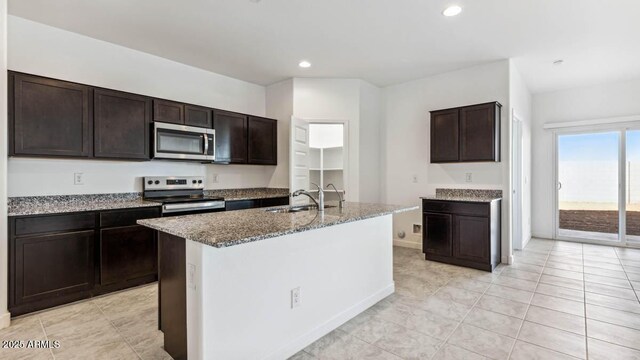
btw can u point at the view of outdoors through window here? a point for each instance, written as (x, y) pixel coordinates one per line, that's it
(588, 182)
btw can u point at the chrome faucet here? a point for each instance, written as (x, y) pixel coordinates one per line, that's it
(341, 202)
(320, 202)
(307, 194)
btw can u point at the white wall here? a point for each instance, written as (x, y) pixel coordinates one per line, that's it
(520, 101)
(584, 103)
(371, 115)
(279, 104)
(43, 50)
(406, 136)
(4, 314)
(333, 99)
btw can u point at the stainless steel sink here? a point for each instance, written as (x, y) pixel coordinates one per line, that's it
(295, 209)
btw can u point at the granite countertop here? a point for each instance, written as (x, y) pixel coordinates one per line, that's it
(56, 204)
(248, 194)
(223, 229)
(465, 195)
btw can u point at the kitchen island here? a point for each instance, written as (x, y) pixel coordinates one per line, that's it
(257, 284)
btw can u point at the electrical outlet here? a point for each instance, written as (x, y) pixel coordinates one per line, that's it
(191, 276)
(216, 178)
(78, 179)
(296, 300)
(417, 228)
(468, 177)
(415, 178)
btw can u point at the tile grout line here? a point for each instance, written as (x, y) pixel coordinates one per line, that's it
(46, 337)
(529, 306)
(117, 330)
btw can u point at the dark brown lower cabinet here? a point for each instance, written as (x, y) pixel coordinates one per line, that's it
(462, 233)
(127, 253)
(52, 266)
(57, 259)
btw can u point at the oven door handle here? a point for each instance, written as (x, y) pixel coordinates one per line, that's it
(169, 208)
(206, 143)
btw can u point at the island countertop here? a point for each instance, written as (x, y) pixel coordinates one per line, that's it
(223, 229)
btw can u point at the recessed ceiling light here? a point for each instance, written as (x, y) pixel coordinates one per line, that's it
(304, 64)
(558, 62)
(452, 10)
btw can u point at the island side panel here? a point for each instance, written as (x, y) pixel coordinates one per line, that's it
(172, 294)
(241, 302)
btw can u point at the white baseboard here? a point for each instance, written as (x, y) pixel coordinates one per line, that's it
(507, 259)
(307, 339)
(407, 244)
(5, 320)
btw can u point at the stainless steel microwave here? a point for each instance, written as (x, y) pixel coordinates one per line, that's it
(181, 142)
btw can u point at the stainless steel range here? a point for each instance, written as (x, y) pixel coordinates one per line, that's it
(180, 195)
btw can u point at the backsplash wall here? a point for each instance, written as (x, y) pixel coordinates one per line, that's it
(33, 177)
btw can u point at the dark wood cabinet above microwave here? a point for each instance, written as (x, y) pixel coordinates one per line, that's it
(466, 134)
(56, 118)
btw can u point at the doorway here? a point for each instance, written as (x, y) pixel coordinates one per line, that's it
(598, 185)
(328, 160)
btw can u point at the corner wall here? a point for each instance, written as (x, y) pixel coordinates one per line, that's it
(520, 100)
(406, 135)
(4, 264)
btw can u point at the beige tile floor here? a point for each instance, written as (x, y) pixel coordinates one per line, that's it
(558, 301)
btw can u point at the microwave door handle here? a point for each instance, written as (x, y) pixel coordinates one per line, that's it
(206, 144)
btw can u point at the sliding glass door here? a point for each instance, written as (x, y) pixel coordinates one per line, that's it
(598, 185)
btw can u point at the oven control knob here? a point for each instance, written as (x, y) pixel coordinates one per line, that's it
(199, 181)
(157, 182)
(149, 182)
(193, 181)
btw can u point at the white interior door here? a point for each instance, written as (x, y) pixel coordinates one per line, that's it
(299, 159)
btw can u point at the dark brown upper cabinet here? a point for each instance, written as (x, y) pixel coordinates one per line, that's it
(197, 116)
(466, 134)
(121, 122)
(168, 111)
(231, 137)
(263, 141)
(445, 143)
(49, 117)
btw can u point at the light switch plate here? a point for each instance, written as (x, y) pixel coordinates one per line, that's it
(78, 179)
(468, 177)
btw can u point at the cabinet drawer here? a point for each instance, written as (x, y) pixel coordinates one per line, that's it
(127, 217)
(454, 207)
(54, 223)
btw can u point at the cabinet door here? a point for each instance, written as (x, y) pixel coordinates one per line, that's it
(479, 133)
(49, 117)
(197, 116)
(121, 125)
(444, 136)
(168, 111)
(53, 265)
(127, 253)
(471, 238)
(263, 141)
(437, 234)
(231, 137)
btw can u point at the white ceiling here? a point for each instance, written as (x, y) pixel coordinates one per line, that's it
(382, 41)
